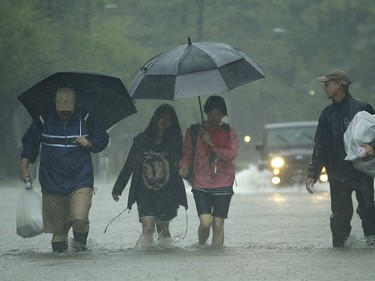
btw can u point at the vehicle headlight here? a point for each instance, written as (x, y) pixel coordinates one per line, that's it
(323, 175)
(277, 163)
(276, 171)
(323, 178)
(275, 180)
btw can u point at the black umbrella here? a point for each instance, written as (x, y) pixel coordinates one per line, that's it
(101, 95)
(192, 70)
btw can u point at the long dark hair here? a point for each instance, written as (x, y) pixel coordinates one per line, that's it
(172, 137)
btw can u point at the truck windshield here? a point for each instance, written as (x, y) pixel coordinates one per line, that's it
(294, 137)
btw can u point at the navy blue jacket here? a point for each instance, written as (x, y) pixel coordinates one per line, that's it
(64, 165)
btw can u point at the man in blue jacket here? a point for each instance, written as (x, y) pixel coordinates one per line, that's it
(329, 151)
(66, 170)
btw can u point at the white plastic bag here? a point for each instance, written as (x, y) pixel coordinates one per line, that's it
(360, 130)
(29, 213)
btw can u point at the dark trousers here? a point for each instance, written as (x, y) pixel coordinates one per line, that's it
(342, 207)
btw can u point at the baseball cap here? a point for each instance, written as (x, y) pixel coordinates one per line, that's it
(65, 99)
(336, 75)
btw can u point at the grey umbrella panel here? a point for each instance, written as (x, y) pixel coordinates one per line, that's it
(193, 70)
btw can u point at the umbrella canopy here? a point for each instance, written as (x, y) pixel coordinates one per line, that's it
(192, 70)
(101, 95)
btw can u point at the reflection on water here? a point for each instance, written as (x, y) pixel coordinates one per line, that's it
(278, 198)
(320, 196)
(251, 180)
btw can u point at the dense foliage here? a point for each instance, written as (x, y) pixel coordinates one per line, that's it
(293, 41)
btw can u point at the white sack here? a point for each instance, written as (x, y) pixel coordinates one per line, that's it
(29, 214)
(360, 130)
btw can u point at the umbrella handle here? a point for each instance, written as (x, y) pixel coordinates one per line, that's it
(200, 107)
(80, 121)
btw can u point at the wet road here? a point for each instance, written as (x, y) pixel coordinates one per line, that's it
(271, 234)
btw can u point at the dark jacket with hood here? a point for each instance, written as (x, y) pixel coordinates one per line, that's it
(172, 191)
(329, 149)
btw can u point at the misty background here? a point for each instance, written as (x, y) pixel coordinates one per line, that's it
(293, 41)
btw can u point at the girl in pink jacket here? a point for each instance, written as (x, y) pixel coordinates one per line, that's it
(208, 161)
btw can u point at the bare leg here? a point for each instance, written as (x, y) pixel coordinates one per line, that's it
(148, 230)
(218, 232)
(204, 228)
(163, 229)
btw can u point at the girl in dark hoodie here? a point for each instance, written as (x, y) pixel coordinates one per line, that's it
(156, 185)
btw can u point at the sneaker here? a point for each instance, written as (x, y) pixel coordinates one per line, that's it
(164, 241)
(370, 240)
(78, 246)
(59, 247)
(338, 243)
(143, 245)
(80, 241)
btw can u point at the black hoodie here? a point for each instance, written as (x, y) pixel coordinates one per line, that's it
(173, 191)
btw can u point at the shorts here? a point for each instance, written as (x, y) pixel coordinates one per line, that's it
(215, 205)
(59, 211)
(161, 210)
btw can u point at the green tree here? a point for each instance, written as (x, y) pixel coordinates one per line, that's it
(293, 41)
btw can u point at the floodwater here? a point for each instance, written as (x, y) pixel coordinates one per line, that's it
(271, 234)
